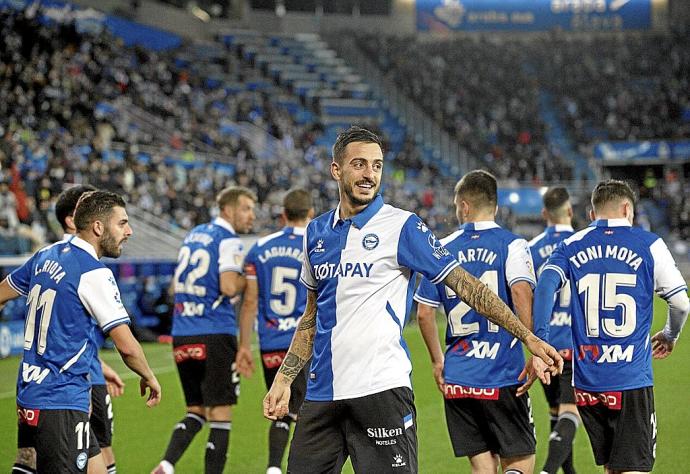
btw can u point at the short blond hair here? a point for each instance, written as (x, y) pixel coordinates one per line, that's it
(230, 195)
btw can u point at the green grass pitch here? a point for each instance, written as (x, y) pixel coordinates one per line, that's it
(142, 434)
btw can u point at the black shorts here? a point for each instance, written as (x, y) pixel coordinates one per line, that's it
(62, 439)
(621, 427)
(271, 361)
(378, 432)
(101, 415)
(206, 365)
(561, 389)
(494, 420)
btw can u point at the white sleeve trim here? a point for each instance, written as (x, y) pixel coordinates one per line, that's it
(307, 274)
(667, 278)
(444, 273)
(100, 295)
(230, 256)
(558, 270)
(421, 299)
(519, 265)
(15, 287)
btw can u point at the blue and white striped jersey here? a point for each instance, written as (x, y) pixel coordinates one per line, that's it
(200, 307)
(542, 246)
(275, 261)
(479, 353)
(67, 289)
(363, 270)
(613, 270)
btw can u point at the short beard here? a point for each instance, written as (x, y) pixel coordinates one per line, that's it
(355, 200)
(109, 245)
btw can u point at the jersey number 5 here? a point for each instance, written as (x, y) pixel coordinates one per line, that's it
(284, 282)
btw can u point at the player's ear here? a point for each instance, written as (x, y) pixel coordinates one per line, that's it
(69, 222)
(283, 218)
(592, 216)
(310, 214)
(570, 210)
(336, 172)
(98, 227)
(544, 214)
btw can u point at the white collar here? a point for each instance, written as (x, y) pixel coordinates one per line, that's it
(224, 224)
(484, 225)
(562, 228)
(84, 245)
(298, 230)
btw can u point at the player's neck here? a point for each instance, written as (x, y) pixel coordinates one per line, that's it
(474, 218)
(91, 239)
(300, 223)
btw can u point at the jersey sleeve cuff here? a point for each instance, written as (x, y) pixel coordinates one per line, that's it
(559, 272)
(14, 286)
(444, 273)
(313, 288)
(113, 324)
(421, 299)
(674, 291)
(230, 268)
(531, 282)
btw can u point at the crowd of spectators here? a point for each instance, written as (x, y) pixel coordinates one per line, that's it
(53, 133)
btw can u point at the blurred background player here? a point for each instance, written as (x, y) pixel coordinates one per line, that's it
(560, 395)
(105, 382)
(207, 277)
(487, 421)
(67, 289)
(272, 268)
(613, 270)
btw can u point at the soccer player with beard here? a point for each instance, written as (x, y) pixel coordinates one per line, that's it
(560, 394)
(479, 376)
(359, 268)
(70, 292)
(105, 382)
(613, 270)
(272, 267)
(207, 277)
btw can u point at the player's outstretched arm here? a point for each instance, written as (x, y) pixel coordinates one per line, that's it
(277, 399)
(113, 382)
(426, 317)
(664, 341)
(133, 356)
(244, 359)
(480, 298)
(6, 292)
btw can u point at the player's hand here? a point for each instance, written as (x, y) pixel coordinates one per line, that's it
(546, 353)
(277, 399)
(438, 376)
(535, 368)
(244, 362)
(662, 346)
(113, 382)
(154, 391)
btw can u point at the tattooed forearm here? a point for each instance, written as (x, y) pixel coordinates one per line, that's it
(302, 342)
(479, 297)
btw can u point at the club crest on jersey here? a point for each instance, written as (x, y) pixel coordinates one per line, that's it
(370, 241)
(81, 460)
(439, 250)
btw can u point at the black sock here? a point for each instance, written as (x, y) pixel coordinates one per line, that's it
(112, 469)
(217, 446)
(18, 468)
(182, 436)
(568, 466)
(278, 436)
(561, 441)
